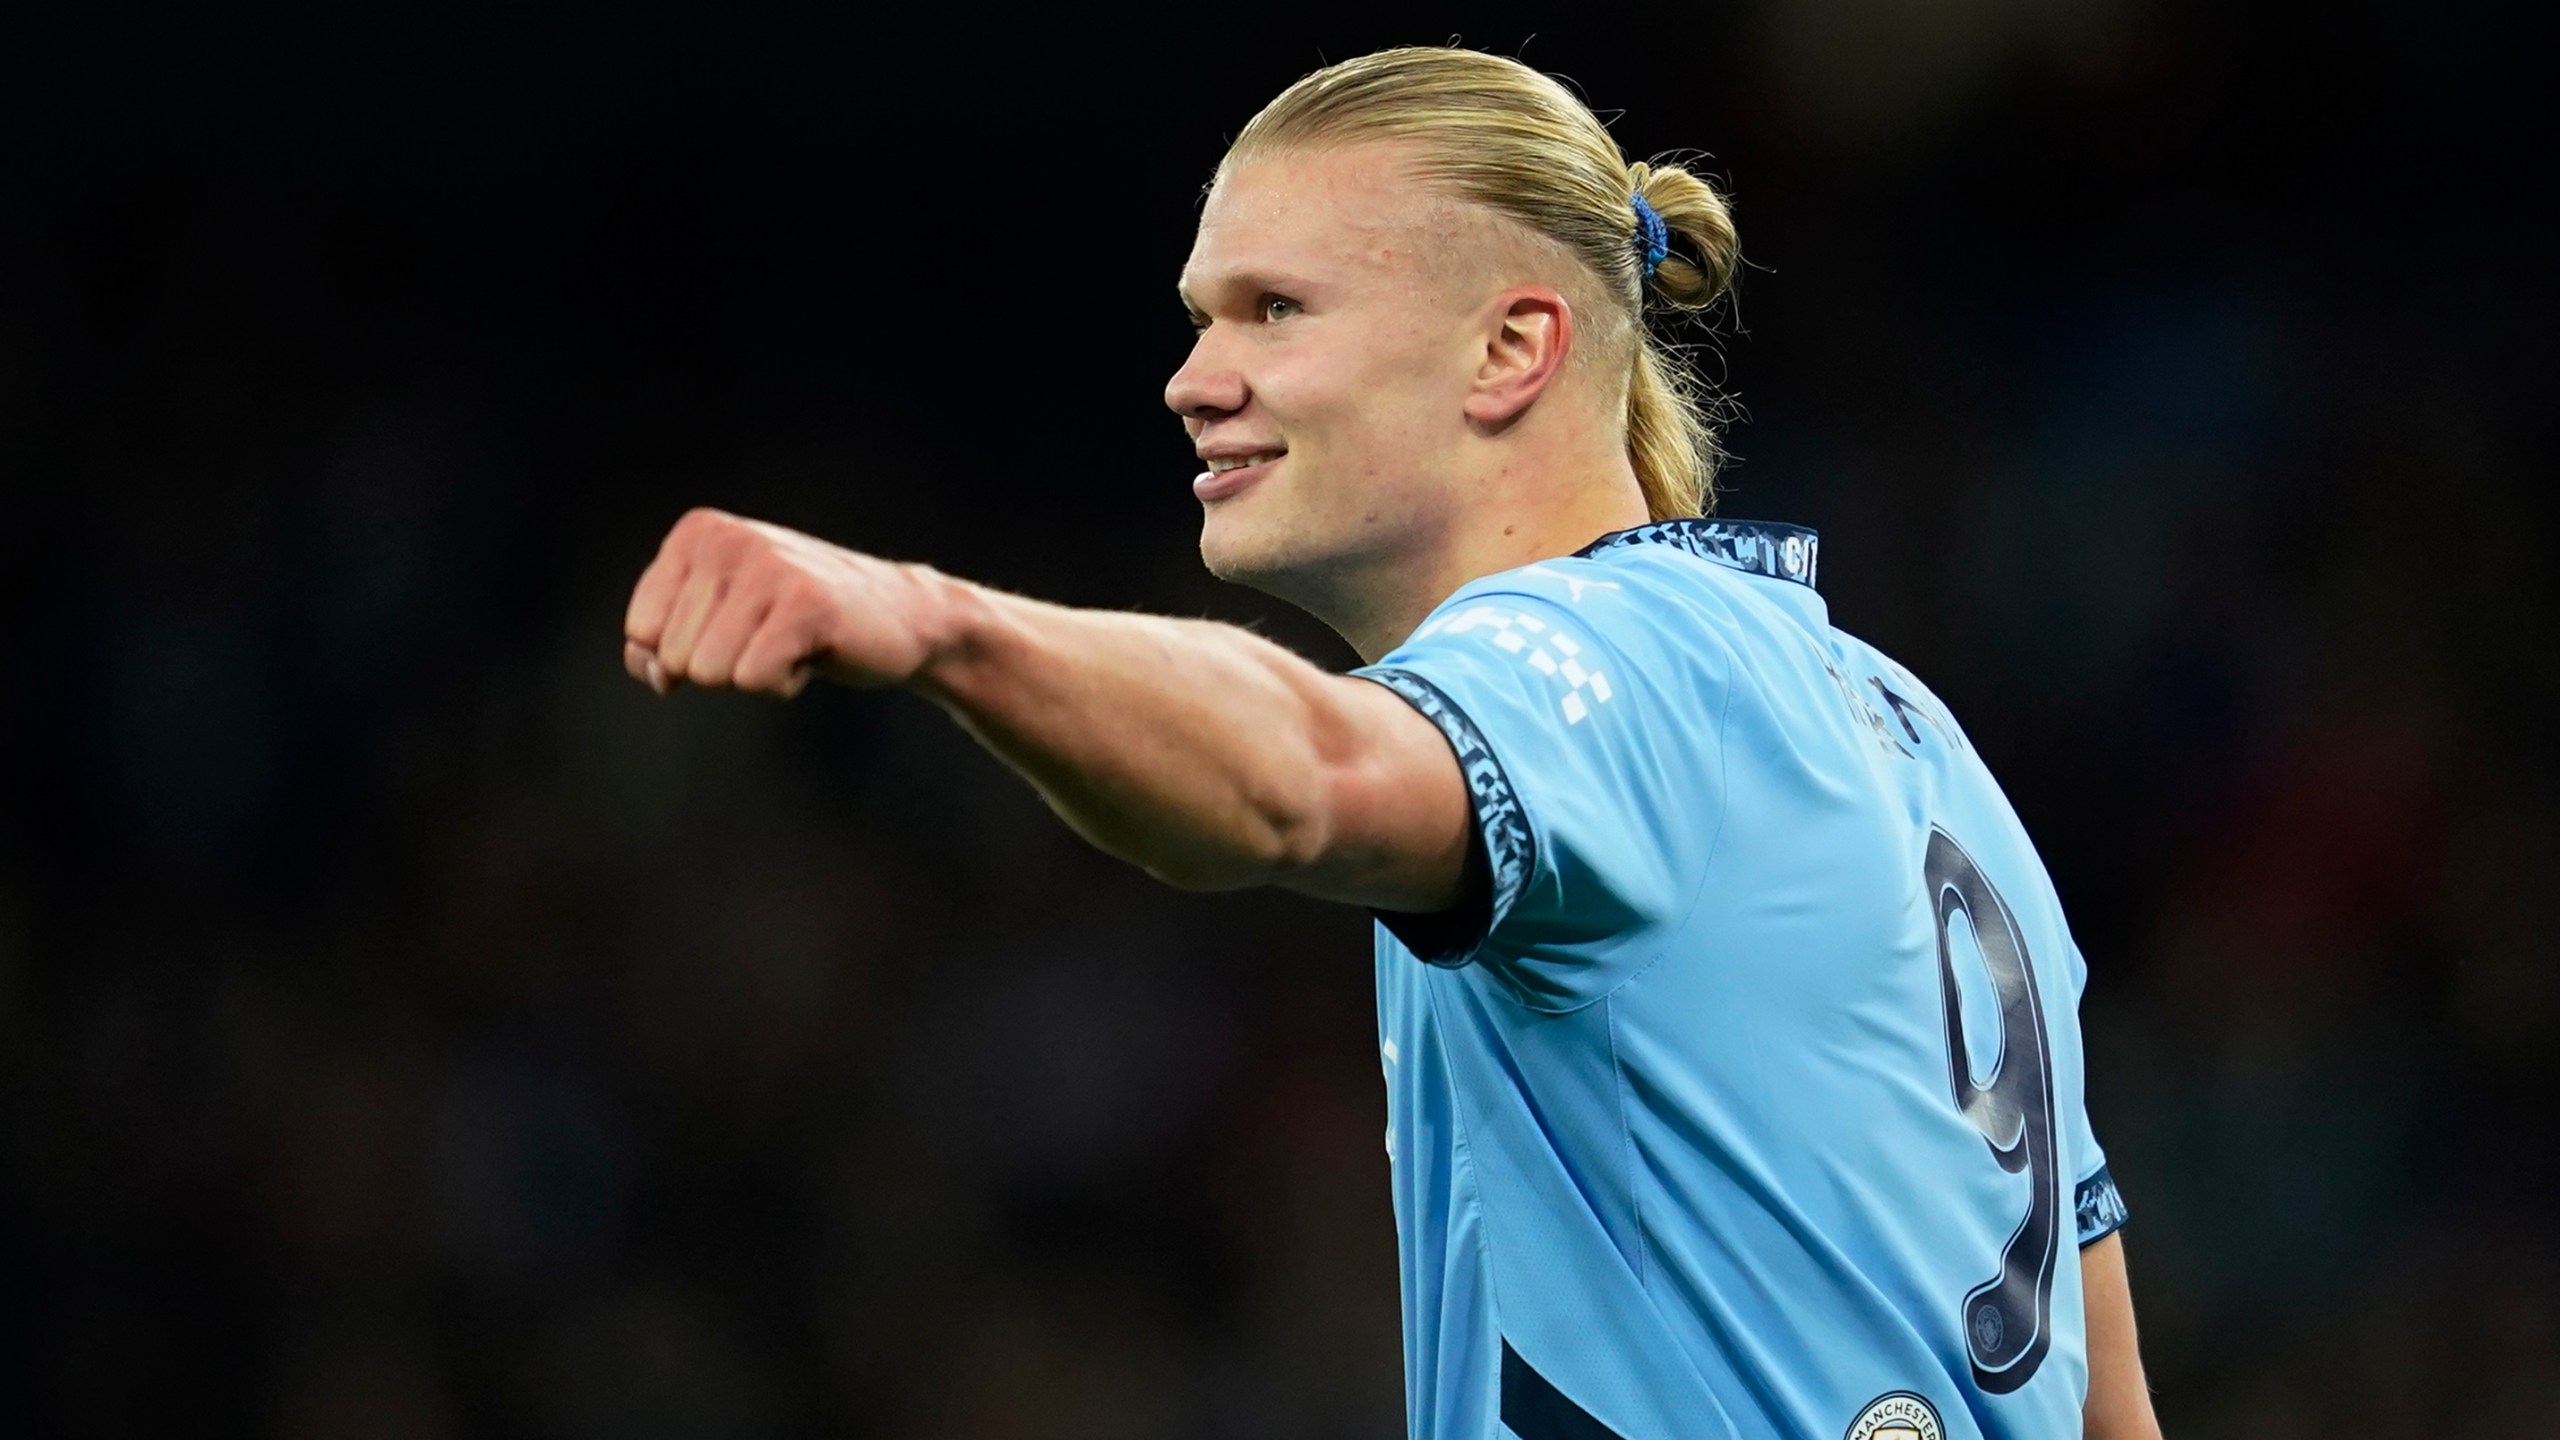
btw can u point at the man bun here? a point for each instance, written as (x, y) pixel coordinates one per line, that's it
(1704, 248)
(1491, 131)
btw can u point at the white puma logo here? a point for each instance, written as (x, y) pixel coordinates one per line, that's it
(1575, 582)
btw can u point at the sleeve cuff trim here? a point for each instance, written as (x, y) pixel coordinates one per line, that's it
(1511, 849)
(2100, 1207)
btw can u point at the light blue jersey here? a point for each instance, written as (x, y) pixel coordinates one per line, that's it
(1749, 1102)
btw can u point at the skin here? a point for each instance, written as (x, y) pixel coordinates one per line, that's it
(1412, 355)
(2119, 1403)
(1448, 397)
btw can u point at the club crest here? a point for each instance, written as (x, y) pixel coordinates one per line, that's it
(1899, 1415)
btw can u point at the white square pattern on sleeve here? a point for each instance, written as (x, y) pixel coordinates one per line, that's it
(1551, 653)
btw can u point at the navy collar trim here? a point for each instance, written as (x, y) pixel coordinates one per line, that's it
(1755, 547)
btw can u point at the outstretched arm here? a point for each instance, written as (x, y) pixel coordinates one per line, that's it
(1205, 754)
(2119, 1403)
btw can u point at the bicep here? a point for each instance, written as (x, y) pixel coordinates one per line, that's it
(2119, 1403)
(1396, 819)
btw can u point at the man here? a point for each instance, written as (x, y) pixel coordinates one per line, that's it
(1728, 1019)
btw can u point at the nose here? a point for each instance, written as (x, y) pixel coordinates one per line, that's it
(1207, 387)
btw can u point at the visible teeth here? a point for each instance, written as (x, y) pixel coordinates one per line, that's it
(1220, 467)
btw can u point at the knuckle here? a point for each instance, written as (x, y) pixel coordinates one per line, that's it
(700, 528)
(797, 596)
(739, 551)
(766, 667)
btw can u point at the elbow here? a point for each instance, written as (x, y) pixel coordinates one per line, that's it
(1297, 836)
(1275, 840)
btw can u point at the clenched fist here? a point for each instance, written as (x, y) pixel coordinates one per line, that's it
(756, 607)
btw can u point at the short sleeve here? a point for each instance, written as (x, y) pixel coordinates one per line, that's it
(1591, 746)
(2095, 1201)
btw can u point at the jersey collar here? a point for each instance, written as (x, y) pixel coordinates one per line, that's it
(1755, 547)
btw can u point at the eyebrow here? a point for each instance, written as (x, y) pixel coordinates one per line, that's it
(1257, 282)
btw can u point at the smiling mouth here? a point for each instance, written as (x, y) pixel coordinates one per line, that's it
(1228, 474)
(1224, 464)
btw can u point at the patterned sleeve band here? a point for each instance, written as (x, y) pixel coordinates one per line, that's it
(1510, 849)
(2100, 1206)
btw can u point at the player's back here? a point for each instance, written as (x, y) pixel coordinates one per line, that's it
(1758, 1110)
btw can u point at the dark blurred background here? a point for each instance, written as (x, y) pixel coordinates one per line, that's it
(413, 1029)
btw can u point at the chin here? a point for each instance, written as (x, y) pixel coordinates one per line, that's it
(1235, 554)
(1247, 550)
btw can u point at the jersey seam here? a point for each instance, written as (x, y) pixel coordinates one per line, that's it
(1724, 811)
(1486, 1272)
(1627, 1156)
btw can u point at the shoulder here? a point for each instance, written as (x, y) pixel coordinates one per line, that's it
(1910, 699)
(1633, 601)
(1639, 608)
(1575, 638)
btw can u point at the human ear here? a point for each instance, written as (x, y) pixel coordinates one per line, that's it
(1529, 333)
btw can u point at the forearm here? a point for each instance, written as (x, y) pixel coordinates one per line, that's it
(1203, 753)
(2119, 1403)
(1208, 755)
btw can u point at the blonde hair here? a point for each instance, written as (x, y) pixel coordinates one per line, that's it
(1494, 132)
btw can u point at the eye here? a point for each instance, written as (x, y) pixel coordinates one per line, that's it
(1279, 307)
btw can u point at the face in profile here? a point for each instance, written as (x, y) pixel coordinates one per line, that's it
(1325, 392)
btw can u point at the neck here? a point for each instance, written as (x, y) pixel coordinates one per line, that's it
(1520, 519)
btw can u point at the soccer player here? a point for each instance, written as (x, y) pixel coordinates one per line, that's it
(1729, 1021)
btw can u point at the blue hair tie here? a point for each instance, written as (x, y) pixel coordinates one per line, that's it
(1655, 235)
